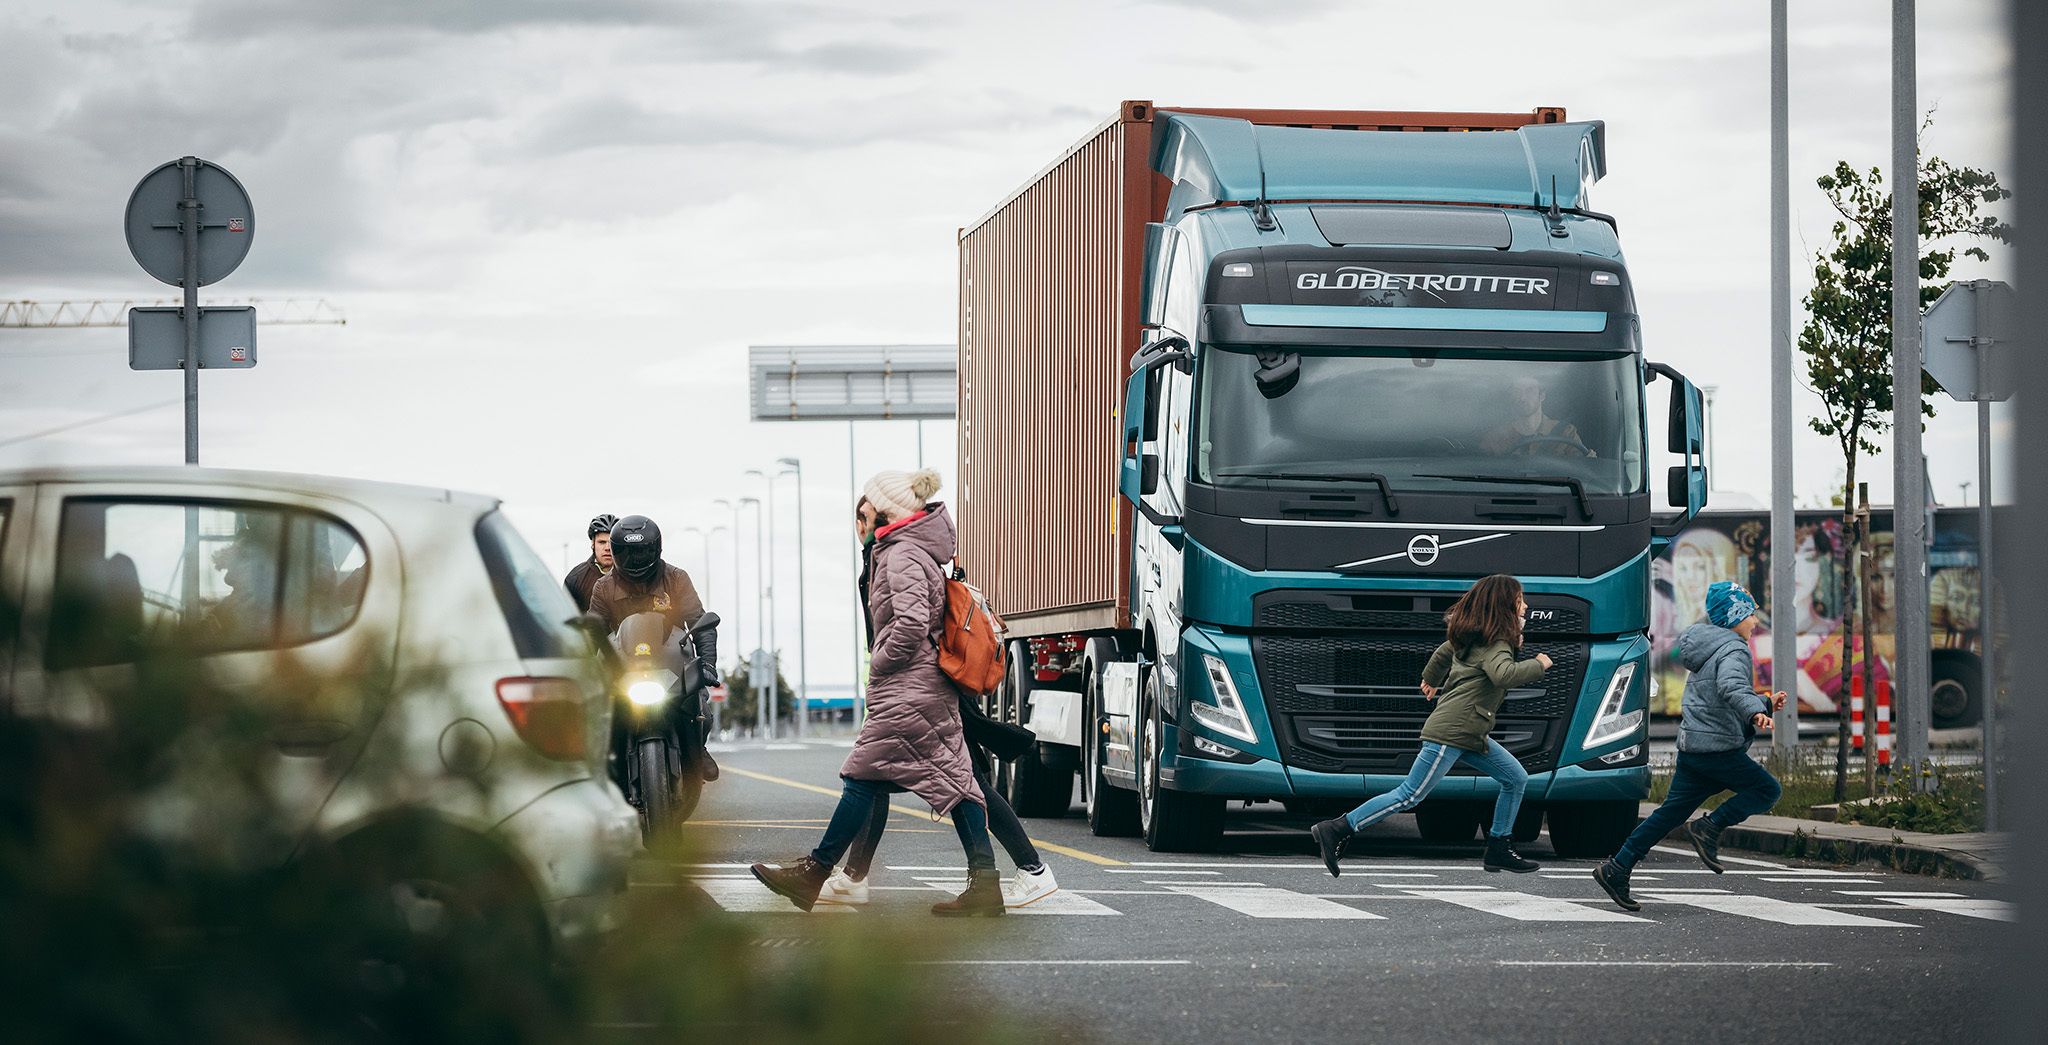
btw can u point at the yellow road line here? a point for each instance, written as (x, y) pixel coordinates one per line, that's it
(922, 811)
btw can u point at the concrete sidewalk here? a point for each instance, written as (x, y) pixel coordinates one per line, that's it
(1978, 855)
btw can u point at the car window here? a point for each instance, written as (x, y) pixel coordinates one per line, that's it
(536, 606)
(208, 577)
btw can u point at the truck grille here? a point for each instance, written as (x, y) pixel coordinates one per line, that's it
(1295, 609)
(1348, 704)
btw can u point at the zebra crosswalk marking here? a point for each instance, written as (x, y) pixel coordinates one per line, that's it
(1523, 907)
(1767, 909)
(749, 896)
(1968, 907)
(1270, 902)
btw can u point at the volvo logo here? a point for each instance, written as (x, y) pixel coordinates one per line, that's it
(1423, 549)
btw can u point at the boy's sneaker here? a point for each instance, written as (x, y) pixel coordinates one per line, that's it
(1029, 887)
(1705, 836)
(844, 889)
(1613, 878)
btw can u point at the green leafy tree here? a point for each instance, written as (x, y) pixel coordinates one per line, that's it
(742, 704)
(1847, 339)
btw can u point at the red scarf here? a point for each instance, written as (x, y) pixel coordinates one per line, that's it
(901, 523)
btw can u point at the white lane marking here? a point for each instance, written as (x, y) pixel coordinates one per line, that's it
(1821, 881)
(1240, 885)
(1524, 907)
(956, 869)
(1056, 961)
(1583, 877)
(1713, 892)
(1275, 903)
(713, 866)
(1120, 892)
(1066, 902)
(1725, 858)
(1890, 892)
(1256, 865)
(785, 747)
(1400, 885)
(1766, 909)
(1968, 907)
(1148, 870)
(1667, 965)
(752, 897)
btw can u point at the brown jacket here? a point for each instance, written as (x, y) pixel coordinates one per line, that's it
(913, 735)
(616, 597)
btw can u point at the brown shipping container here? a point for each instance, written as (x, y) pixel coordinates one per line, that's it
(1049, 295)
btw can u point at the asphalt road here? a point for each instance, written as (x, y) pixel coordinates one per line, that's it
(1415, 943)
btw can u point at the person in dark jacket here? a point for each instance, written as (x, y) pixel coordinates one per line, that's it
(643, 583)
(849, 883)
(913, 739)
(1722, 711)
(1468, 676)
(585, 575)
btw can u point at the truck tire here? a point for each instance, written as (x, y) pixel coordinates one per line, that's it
(1590, 830)
(1952, 693)
(1112, 811)
(1034, 786)
(1173, 821)
(1449, 821)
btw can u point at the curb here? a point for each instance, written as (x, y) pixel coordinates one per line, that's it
(1819, 840)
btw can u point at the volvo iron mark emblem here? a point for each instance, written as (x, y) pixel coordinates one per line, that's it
(1423, 549)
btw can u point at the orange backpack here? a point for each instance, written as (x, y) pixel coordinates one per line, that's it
(971, 638)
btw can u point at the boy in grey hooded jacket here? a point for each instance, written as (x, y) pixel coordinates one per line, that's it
(1720, 714)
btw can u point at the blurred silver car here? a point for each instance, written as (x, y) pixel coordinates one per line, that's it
(424, 690)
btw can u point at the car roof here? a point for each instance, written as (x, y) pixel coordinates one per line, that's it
(365, 491)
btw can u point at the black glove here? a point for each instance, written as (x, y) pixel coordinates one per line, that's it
(707, 657)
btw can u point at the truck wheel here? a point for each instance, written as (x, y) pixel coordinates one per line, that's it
(1952, 695)
(1112, 811)
(1034, 788)
(1448, 821)
(1173, 821)
(1590, 830)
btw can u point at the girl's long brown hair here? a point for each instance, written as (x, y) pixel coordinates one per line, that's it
(1486, 614)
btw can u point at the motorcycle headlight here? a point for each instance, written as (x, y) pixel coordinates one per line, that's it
(645, 692)
(1609, 723)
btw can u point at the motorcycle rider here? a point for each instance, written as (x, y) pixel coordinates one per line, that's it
(585, 575)
(641, 582)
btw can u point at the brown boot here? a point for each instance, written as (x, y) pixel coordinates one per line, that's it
(983, 899)
(800, 881)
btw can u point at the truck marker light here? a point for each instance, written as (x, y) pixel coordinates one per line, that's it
(1609, 724)
(1210, 747)
(1606, 279)
(1227, 715)
(1618, 757)
(1238, 269)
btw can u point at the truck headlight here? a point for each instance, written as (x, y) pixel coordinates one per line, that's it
(1609, 724)
(1227, 715)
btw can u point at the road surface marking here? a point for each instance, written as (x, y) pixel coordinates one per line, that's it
(1890, 892)
(1725, 858)
(1766, 909)
(1668, 965)
(1968, 907)
(1134, 870)
(1055, 961)
(920, 811)
(1400, 885)
(1390, 869)
(1821, 881)
(1065, 902)
(1523, 907)
(1274, 903)
(1238, 885)
(1120, 892)
(754, 898)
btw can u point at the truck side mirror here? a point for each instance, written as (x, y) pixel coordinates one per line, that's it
(1686, 484)
(1148, 473)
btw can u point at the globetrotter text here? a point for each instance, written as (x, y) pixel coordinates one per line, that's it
(1373, 279)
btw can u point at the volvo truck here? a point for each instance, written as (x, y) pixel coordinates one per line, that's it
(1249, 397)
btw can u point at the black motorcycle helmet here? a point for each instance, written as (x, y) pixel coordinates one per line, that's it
(636, 548)
(600, 524)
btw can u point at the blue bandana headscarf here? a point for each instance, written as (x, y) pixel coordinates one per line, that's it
(1728, 603)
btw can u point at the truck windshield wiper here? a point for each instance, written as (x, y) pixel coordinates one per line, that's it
(1577, 488)
(1375, 478)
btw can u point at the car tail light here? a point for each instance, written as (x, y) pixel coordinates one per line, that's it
(549, 715)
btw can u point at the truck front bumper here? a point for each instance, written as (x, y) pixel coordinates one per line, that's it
(1267, 779)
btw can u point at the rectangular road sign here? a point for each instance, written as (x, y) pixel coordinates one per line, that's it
(227, 338)
(852, 382)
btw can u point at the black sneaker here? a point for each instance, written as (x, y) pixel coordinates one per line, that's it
(1330, 836)
(1614, 880)
(1705, 836)
(1501, 856)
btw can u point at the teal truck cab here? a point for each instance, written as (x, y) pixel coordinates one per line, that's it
(1371, 364)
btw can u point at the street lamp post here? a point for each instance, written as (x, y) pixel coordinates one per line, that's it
(768, 589)
(794, 466)
(761, 707)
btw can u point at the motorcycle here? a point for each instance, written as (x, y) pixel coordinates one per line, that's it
(659, 728)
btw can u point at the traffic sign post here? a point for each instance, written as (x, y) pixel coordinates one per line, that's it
(1961, 334)
(189, 223)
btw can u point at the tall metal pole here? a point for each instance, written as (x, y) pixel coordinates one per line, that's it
(761, 605)
(1909, 497)
(803, 648)
(860, 627)
(739, 620)
(1784, 617)
(1987, 629)
(768, 593)
(188, 227)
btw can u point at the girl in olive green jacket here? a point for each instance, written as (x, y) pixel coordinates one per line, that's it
(1468, 677)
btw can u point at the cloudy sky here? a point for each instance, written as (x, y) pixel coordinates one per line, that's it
(555, 227)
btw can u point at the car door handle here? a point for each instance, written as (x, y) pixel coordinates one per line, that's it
(308, 736)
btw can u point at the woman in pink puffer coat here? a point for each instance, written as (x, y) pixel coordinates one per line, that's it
(912, 738)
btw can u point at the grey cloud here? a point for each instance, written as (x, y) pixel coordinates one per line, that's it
(444, 16)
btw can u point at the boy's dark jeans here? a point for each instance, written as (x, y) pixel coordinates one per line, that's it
(1702, 775)
(1002, 823)
(857, 802)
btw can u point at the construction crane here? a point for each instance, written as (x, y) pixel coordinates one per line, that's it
(108, 313)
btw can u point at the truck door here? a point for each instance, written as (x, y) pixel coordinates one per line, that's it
(273, 600)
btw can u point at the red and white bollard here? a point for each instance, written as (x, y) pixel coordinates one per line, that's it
(1856, 713)
(1884, 723)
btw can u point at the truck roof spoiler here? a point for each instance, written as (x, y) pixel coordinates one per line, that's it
(1222, 159)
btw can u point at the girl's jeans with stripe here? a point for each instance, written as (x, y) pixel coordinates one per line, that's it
(1432, 764)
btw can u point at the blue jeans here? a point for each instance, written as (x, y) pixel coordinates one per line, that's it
(1431, 766)
(1702, 775)
(1002, 823)
(857, 802)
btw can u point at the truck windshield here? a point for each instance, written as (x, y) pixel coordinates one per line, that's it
(1424, 421)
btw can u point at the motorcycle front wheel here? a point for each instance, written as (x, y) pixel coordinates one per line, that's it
(665, 799)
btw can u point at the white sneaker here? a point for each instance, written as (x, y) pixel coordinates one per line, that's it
(843, 889)
(1028, 888)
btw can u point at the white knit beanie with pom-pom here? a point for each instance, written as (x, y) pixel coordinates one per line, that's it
(897, 494)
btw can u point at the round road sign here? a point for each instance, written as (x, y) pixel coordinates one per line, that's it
(227, 222)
